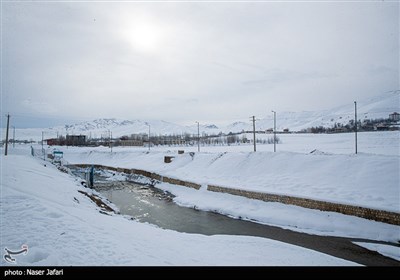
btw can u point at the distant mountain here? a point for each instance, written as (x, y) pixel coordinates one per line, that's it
(100, 127)
(211, 126)
(378, 107)
(239, 126)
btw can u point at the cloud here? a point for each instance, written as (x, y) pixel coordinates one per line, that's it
(194, 61)
(276, 77)
(39, 107)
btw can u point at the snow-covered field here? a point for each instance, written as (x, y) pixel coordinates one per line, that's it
(41, 207)
(366, 179)
(331, 173)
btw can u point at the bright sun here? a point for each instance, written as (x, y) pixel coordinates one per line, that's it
(144, 36)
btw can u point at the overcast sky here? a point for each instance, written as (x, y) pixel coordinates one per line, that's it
(186, 62)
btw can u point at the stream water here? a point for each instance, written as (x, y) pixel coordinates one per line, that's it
(145, 203)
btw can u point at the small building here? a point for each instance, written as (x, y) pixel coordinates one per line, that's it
(340, 129)
(52, 141)
(394, 116)
(76, 140)
(394, 127)
(124, 142)
(381, 127)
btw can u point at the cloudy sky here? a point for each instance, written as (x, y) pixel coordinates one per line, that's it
(191, 61)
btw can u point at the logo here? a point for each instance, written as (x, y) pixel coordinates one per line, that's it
(9, 253)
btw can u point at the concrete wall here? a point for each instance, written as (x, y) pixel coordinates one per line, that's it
(367, 213)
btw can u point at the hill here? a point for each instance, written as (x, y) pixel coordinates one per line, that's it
(379, 106)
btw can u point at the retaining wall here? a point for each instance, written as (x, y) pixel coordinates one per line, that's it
(367, 213)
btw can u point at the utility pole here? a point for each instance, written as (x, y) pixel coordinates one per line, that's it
(13, 136)
(254, 132)
(66, 135)
(355, 122)
(149, 136)
(198, 136)
(8, 126)
(44, 157)
(111, 140)
(274, 131)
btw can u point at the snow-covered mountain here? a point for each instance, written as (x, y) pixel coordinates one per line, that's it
(123, 127)
(102, 127)
(378, 107)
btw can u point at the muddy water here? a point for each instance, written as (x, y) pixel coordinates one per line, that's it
(148, 204)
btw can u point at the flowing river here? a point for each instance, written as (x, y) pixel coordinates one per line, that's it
(148, 204)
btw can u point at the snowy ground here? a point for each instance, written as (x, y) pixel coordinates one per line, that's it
(41, 207)
(380, 143)
(331, 173)
(285, 216)
(366, 179)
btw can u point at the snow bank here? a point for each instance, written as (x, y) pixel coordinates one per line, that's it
(290, 217)
(386, 250)
(363, 180)
(42, 208)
